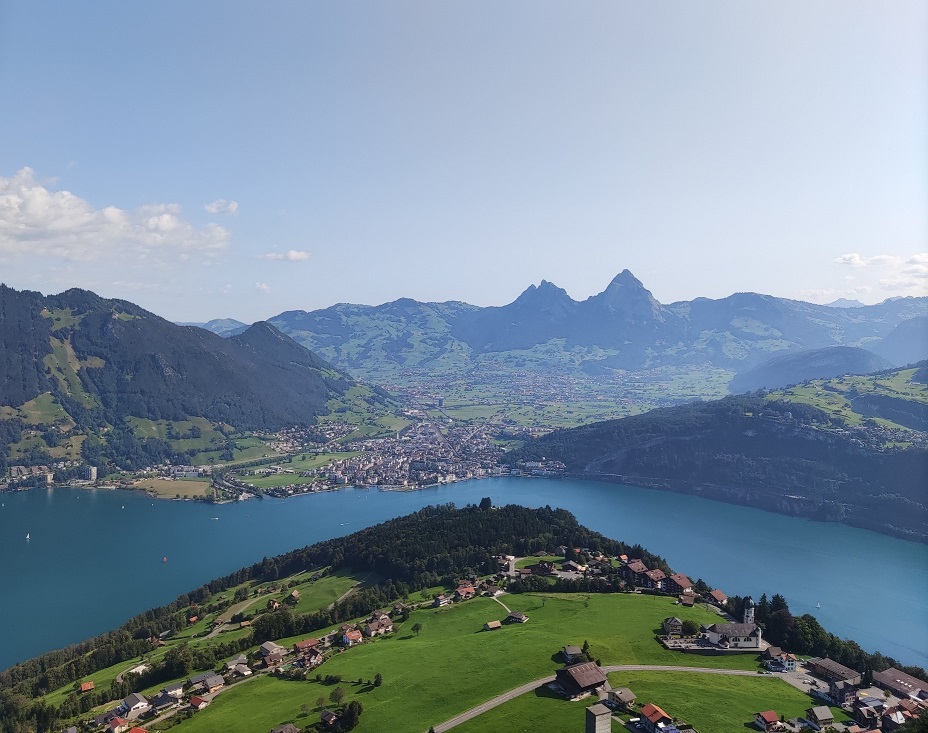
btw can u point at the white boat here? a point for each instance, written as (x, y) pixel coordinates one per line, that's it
(27, 535)
(818, 605)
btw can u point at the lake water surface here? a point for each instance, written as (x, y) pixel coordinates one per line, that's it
(94, 557)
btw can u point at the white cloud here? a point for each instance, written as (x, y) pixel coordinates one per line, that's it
(36, 221)
(221, 206)
(890, 273)
(293, 255)
(263, 287)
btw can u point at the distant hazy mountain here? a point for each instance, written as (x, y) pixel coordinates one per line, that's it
(220, 326)
(622, 328)
(907, 343)
(845, 303)
(78, 363)
(832, 361)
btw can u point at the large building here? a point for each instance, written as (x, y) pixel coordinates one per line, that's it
(901, 684)
(745, 635)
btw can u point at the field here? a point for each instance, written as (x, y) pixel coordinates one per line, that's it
(452, 651)
(298, 464)
(171, 488)
(834, 396)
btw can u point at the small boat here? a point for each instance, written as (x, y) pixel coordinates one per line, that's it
(818, 605)
(164, 559)
(27, 535)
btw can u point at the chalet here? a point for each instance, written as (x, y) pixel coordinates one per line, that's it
(719, 598)
(634, 572)
(544, 568)
(305, 645)
(579, 680)
(235, 661)
(86, 686)
(118, 725)
(464, 592)
(673, 627)
(197, 680)
(573, 567)
(571, 653)
(269, 647)
(441, 600)
(820, 716)
(163, 701)
(493, 591)
(492, 625)
(733, 636)
(174, 689)
(842, 692)
(351, 637)
(767, 720)
(241, 670)
(134, 705)
(213, 683)
(776, 660)
(378, 627)
(654, 579)
(687, 600)
(901, 684)
(198, 703)
(294, 596)
(313, 659)
(678, 583)
(273, 659)
(193, 619)
(653, 719)
(622, 697)
(517, 617)
(400, 609)
(329, 718)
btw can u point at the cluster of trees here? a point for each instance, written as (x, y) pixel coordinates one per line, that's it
(804, 635)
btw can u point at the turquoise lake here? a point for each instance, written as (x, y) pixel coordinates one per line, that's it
(94, 557)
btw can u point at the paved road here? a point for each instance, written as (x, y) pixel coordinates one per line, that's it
(528, 687)
(502, 604)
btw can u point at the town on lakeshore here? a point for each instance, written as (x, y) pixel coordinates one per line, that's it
(701, 634)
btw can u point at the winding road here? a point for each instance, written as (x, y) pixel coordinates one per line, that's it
(529, 686)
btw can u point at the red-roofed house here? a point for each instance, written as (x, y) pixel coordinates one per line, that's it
(351, 637)
(720, 598)
(304, 645)
(118, 725)
(766, 720)
(86, 686)
(678, 583)
(198, 703)
(653, 718)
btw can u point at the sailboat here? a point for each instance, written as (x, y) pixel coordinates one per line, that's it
(818, 605)
(27, 535)
(164, 559)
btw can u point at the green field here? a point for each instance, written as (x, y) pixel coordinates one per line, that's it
(834, 395)
(298, 464)
(453, 652)
(171, 488)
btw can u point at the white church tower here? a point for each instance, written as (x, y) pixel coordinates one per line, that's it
(749, 610)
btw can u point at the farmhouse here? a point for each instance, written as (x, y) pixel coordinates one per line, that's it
(517, 617)
(622, 697)
(198, 703)
(571, 653)
(673, 627)
(578, 680)
(767, 720)
(491, 625)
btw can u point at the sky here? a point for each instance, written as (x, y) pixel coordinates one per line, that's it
(230, 159)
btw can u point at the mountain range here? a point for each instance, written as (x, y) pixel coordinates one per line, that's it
(622, 329)
(76, 367)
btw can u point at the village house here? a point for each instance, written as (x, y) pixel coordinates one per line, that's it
(767, 720)
(464, 592)
(842, 681)
(329, 718)
(820, 716)
(571, 653)
(776, 660)
(313, 658)
(378, 627)
(623, 698)
(687, 600)
(163, 701)
(441, 600)
(678, 584)
(133, 706)
(213, 682)
(269, 648)
(579, 680)
(719, 598)
(86, 687)
(198, 703)
(305, 645)
(236, 661)
(654, 579)
(517, 617)
(117, 725)
(654, 719)
(351, 637)
(492, 625)
(673, 627)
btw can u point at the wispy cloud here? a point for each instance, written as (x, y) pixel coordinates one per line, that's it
(221, 206)
(263, 287)
(891, 273)
(294, 255)
(37, 221)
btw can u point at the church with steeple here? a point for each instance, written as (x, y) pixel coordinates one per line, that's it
(746, 635)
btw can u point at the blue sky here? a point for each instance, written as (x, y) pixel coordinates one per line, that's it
(241, 159)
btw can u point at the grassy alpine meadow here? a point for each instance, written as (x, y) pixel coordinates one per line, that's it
(540, 710)
(453, 652)
(718, 703)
